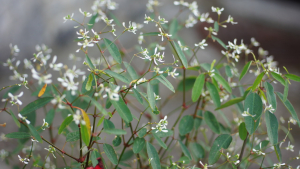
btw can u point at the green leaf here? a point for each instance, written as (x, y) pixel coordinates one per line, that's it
(159, 141)
(214, 93)
(163, 134)
(261, 145)
(198, 86)
(212, 122)
(183, 160)
(245, 70)
(92, 21)
(180, 54)
(186, 125)
(50, 116)
(110, 153)
(189, 83)
(223, 82)
(254, 105)
(34, 133)
(293, 77)
(108, 124)
(137, 95)
(222, 141)
(272, 127)
(100, 121)
(228, 71)
(257, 81)
(231, 102)
(219, 41)
(165, 82)
(242, 131)
(113, 50)
(90, 63)
(198, 150)
(278, 78)
(131, 71)
(18, 135)
(122, 110)
(153, 155)
(95, 103)
(151, 34)
(89, 82)
(142, 132)
(85, 134)
(35, 105)
(127, 155)
(278, 152)
(115, 131)
(138, 144)
(289, 107)
(270, 95)
(94, 155)
(185, 150)
(173, 28)
(15, 118)
(197, 120)
(216, 26)
(65, 123)
(73, 136)
(150, 95)
(83, 89)
(117, 141)
(286, 90)
(117, 76)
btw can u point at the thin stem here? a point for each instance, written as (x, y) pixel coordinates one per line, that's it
(242, 150)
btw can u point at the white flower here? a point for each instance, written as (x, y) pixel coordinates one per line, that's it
(194, 8)
(24, 118)
(45, 125)
(181, 2)
(131, 27)
(173, 73)
(270, 108)
(142, 80)
(147, 19)
(157, 70)
(230, 20)
(77, 117)
(51, 150)
(141, 38)
(190, 22)
(25, 160)
(157, 97)
(183, 48)
(278, 165)
(69, 84)
(96, 38)
(157, 56)
(217, 10)
(17, 75)
(113, 94)
(246, 113)
(112, 5)
(159, 47)
(14, 99)
(113, 30)
(68, 17)
(84, 13)
(204, 17)
(291, 120)
(107, 21)
(211, 30)
(74, 73)
(211, 72)
(14, 50)
(3, 154)
(58, 100)
(201, 44)
(205, 166)
(163, 34)
(161, 20)
(290, 147)
(41, 78)
(9, 63)
(254, 42)
(54, 66)
(27, 64)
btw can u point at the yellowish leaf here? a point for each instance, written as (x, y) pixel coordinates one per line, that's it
(42, 91)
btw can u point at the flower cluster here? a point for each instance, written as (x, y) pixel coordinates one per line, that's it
(161, 125)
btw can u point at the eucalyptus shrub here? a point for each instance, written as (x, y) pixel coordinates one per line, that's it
(111, 90)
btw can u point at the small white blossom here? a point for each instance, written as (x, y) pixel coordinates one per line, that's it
(292, 120)
(14, 50)
(230, 20)
(217, 10)
(68, 17)
(157, 57)
(278, 165)
(77, 117)
(201, 44)
(41, 78)
(45, 125)
(157, 97)
(211, 30)
(131, 27)
(58, 100)
(194, 8)
(246, 113)
(205, 166)
(51, 150)
(161, 20)
(113, 94)
(173, 73)
(163, 34)
(290, 147)
(84, 13)
(23, 160)
(190, 22)
(55, 66)
(254, 42)
(24, 118)
(181, 2)
(148, 19)
(69, 84)
(3, 154)
(14, 99)
(140, 38)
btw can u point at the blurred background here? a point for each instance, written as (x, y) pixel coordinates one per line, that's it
(274, 24)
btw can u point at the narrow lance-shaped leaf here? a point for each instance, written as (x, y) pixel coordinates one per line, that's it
(231, 102)
(270, 95)
(212, 122)
(180, 55)
(65, 123)
(278, 152)
(92, 21)
(293, 77)
(131, 71)
(115, 131)
(18, 135)
(228, 71)
(216, 26)
(110, 153)
(173, 27)
(89, 82)
(286, 90)
(34, 133)
(219, 41)
(198, 150)
(289, 107)
(245, 70)
(185, 150)
(137, 95)
(223, 82)
(138, 144)
(242, 131)
(35, 105)
(186, 125)
(153, 155)
(165, 82)
(272, 127)
(150, 95)
(278, 78)
(85, 134)
(122, 110)
(117, 76)
(90, 63)
(159, 141)
(86, 120)
(214, 94)
(96, 104)
(113, 50)
(258, 80)
(198, 86)
(15, 118)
